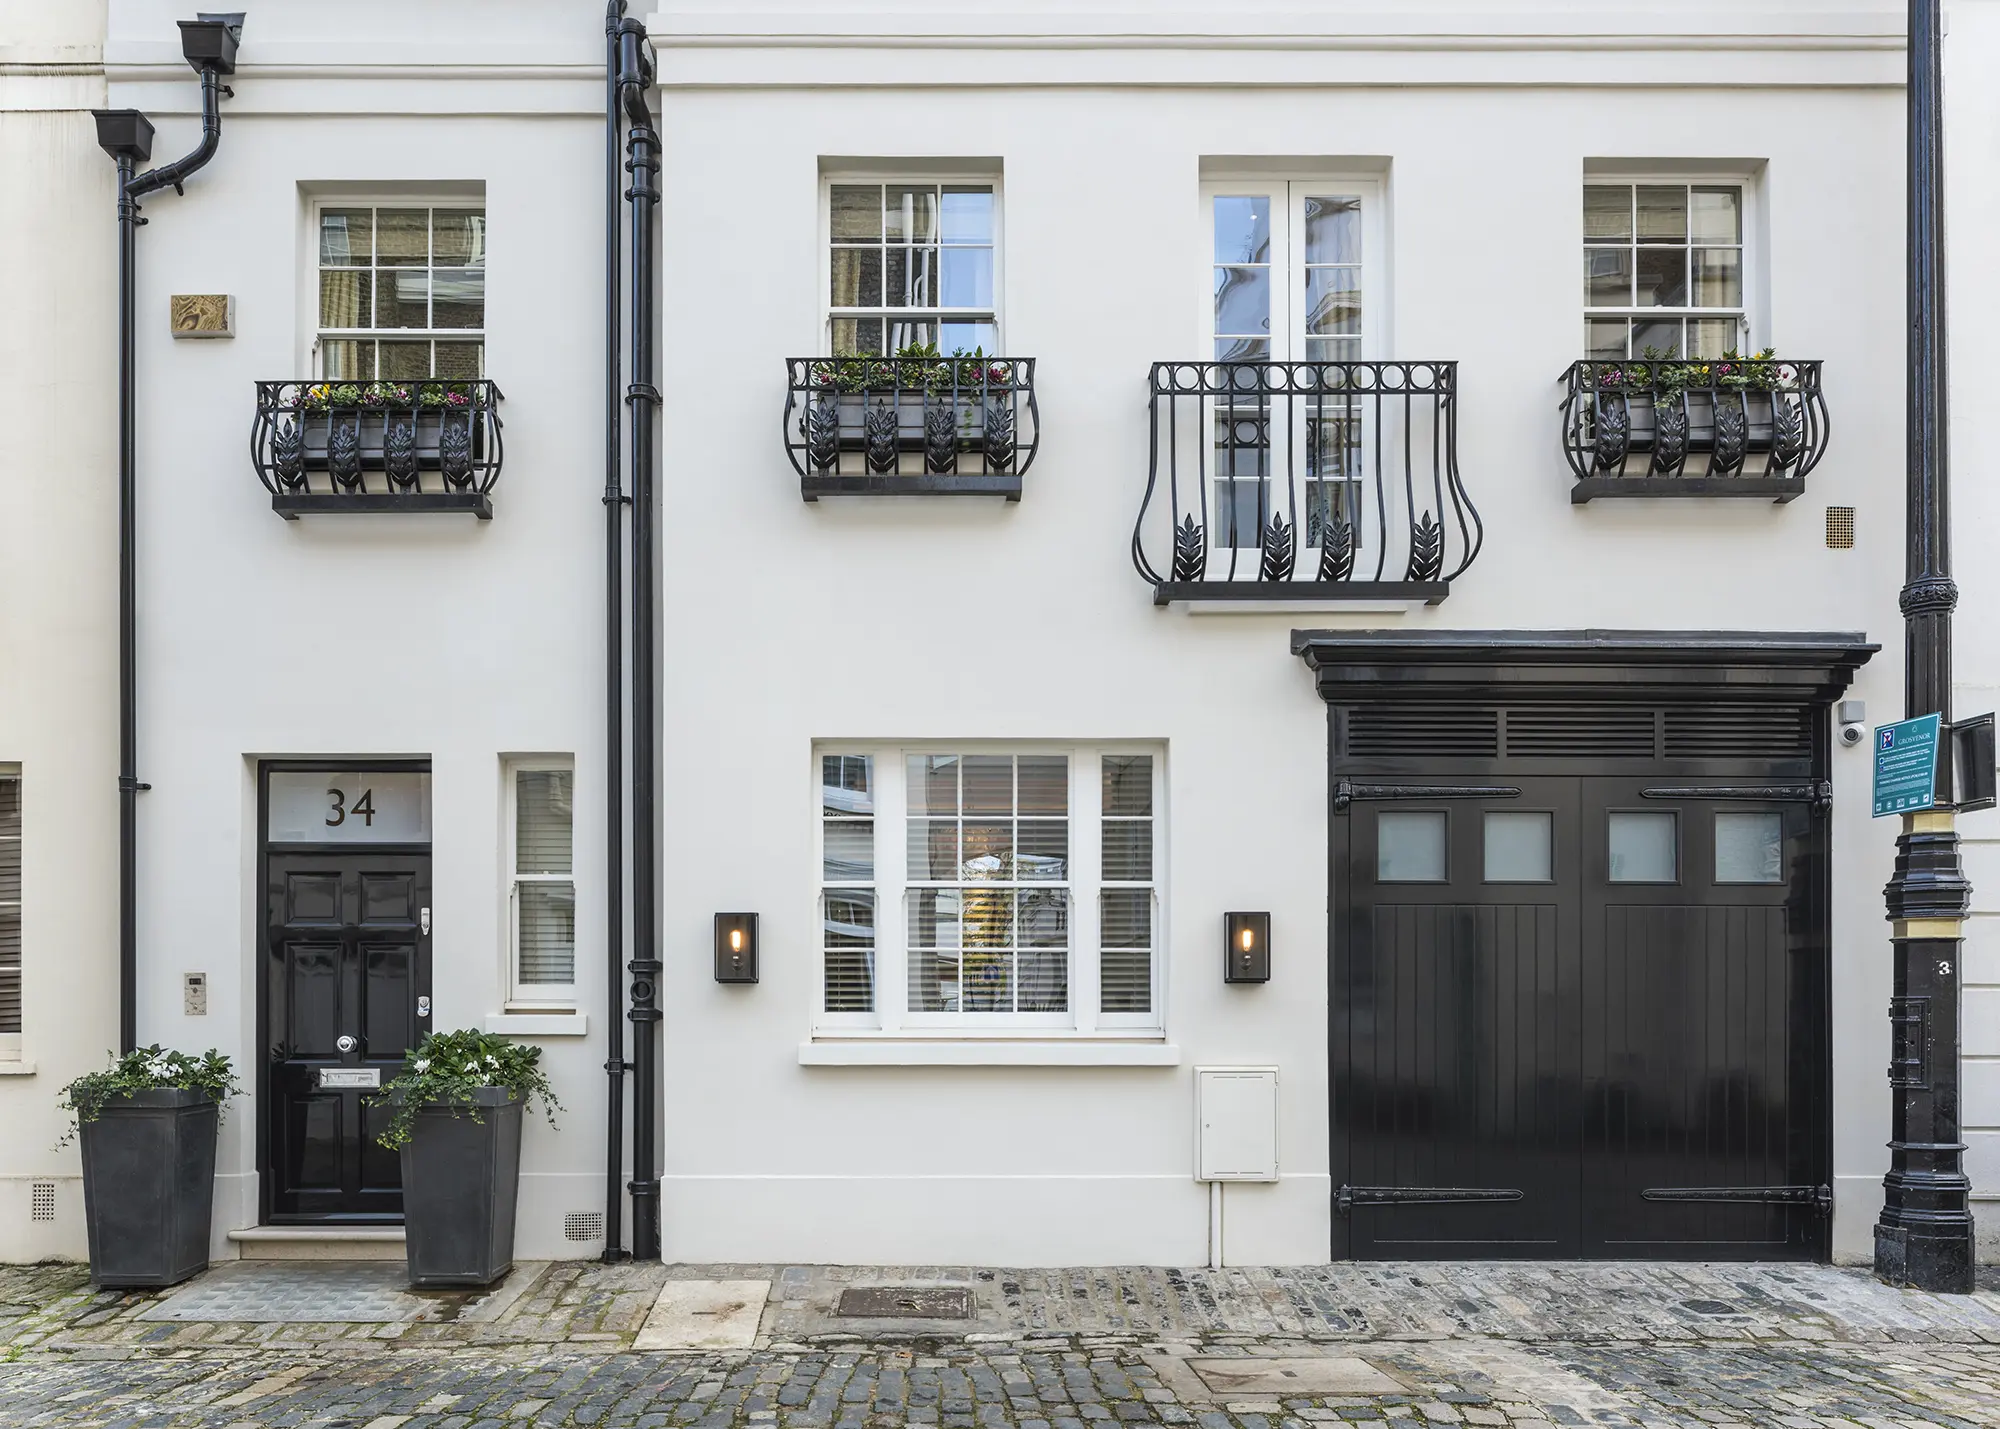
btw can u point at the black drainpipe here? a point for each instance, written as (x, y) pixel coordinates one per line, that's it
(635, 77)
(614, 670)
(209, 44)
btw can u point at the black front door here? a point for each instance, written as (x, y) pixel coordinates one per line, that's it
(346, 963)
(1578, 1017)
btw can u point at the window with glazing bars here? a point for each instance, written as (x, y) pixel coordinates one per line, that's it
(402, 293)
(999, 913)
(543, 890)
(1663, 270)
(912, 264)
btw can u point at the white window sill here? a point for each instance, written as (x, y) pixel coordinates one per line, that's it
(979, 1052)
(537, 1024)
(16, 1068)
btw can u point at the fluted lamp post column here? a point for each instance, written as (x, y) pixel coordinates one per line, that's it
(1923, 1239)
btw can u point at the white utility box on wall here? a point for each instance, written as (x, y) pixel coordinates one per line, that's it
(1236, 1123)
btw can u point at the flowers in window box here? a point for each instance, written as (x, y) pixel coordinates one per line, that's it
(1664, 374)
(381, 396)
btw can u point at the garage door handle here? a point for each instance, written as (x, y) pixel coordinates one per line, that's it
(1349, 1197)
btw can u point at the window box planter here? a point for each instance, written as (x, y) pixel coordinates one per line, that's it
(918, 426)
(379, 446)
(1675, 428)
(149, 1187)
(461, 1182)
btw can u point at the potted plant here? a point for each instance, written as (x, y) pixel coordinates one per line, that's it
(920, 401)
(398, 428)
(1727, 408)
(147, 1124)
(455, 1115)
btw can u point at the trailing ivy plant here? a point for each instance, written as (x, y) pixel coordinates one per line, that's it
(449, 1067)
(147, 1069)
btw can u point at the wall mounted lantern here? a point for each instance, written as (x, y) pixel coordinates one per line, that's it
(1247, 958)
(736, 947)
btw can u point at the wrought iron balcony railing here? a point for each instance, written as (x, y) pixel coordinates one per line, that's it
(377, 446)
(1304, 481)
(1729, 427)
(911, 426)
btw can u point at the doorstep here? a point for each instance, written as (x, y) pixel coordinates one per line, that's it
(319, 1242)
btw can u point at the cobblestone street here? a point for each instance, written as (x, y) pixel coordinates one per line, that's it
(342, 1345)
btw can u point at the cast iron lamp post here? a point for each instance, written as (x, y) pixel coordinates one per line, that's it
(1923, 1239)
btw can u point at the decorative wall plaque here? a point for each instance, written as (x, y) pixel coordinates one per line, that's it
(203, 315)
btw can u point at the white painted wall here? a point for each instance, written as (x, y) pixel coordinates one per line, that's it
(58, 592)
(785, 623)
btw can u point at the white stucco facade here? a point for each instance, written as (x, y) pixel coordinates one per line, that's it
(788, 629)
(58, 600)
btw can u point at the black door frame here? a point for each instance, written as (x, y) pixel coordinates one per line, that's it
(1757, 673)
(420, 985)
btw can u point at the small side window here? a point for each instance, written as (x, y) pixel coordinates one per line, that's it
(543, 889)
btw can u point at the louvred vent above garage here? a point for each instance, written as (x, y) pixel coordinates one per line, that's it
(1572, 731)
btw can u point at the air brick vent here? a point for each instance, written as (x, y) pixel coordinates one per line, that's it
(1581, 731)
(1423, 731)
(42, 1201)
(583, 1226)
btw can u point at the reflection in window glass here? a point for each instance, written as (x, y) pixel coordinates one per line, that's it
(1410, 847)
(1643, 848)
(1520, 847)
(1749, 848)
(847, 915)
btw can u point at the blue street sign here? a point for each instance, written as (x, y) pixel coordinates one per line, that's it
(1906, 756)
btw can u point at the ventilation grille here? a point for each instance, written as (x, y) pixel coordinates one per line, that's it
(42, 1201)
(1840, 528)
(1581, 731)
(583, 1226)
(1423, 731)
(1738, 732)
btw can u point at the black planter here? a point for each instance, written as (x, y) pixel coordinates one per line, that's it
(149, 1187)
(461, 1179)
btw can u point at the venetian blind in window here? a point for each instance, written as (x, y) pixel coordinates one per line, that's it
(847, 871)
(1125, 901)
(10, 902)
(544, 886)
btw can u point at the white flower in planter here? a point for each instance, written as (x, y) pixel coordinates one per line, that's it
(421, 1065)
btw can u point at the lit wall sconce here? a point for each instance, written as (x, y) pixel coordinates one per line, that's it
(1248, 956)
(736, 947)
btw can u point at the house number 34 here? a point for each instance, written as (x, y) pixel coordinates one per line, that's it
(364, 808)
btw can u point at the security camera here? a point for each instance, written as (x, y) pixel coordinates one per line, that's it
(1852, 734)
(1853, 722)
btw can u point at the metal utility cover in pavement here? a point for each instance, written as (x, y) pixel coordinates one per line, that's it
(906, 1302)
(1329, 1375)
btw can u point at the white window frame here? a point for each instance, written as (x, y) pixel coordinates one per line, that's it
(891, 1017)
(538, 996)
(1287, 193)
(913, 175)
(1749, 337)
(10, 1042)
(429, 201)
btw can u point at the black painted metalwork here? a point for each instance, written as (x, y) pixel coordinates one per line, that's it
(1675, 427)
(1348, 1197)
(1820, 1197)
(209, 46)
(325, 448)
(1582, 1040)
(642, 163)
(911, 426)
(1924, 1235)
(1288, 480)
(1346, 791)
(615, 501)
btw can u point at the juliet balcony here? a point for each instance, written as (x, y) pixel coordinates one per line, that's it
(355, 447)
(1676, 427)
(1289, 485)
(911, 426)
